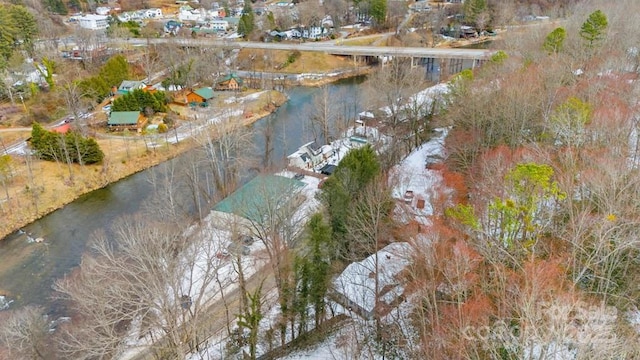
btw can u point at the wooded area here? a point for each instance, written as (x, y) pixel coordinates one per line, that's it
(530, 252)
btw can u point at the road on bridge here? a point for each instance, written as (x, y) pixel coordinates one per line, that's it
(328, 47)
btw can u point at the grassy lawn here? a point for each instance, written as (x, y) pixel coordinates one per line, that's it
(274, 61)
(360, 42)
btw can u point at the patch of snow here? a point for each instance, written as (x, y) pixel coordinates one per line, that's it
(4, 302)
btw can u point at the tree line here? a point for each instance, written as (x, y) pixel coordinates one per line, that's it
(141, 100)
(19, 30)
(70, 147)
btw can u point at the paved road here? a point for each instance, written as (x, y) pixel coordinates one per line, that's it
(330, 48)
(19, 147)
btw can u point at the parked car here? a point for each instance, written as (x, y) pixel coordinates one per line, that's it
(298, 176)
(246, 239)
(223, 255)
(236, 248)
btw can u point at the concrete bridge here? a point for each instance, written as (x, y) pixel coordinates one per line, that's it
(440, 61)
(329, 48)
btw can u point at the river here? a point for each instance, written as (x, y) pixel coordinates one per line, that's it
(30, 269)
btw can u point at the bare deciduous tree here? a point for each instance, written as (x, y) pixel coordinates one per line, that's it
(148, 283)
(25, 333)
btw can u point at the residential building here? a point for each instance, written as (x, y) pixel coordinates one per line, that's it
(373, 284)
(220, 25)
(230, 82)
(153, 13)
(306, 157)
(314, 32)
(93, 22)
(103, 10)
(125, 120)
(172, 27)
(199, 96)
(187, 13)
(233, 21)
(90, 51)
(261, 198)
(128, 86)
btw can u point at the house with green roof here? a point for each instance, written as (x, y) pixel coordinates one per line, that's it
(205, 93)
(199, 96)
(263, 197)
(125, 120)
(230, 82)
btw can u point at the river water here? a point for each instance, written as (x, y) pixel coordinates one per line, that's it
(28, 270)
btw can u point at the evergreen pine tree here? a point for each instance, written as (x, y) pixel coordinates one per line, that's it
(593, 30)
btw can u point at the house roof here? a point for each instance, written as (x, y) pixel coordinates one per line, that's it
(231, 76)
(62, 129)
(260, 196)
(127, 85)
(205, 92)
(123, 118)
(232, 20)
(328, 169)
(357, 284)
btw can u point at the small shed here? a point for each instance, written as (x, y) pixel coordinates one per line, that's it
(121, 120)
(230, 82)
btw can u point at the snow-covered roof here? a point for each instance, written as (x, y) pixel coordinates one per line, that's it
(357, 281)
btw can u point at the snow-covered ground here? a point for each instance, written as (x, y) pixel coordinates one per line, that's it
(357, 282)
(4, 302)
(422, 100)
(412, 178)
(207, 273)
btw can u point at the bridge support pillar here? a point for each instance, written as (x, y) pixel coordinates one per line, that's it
(412, 64)
(444, 69)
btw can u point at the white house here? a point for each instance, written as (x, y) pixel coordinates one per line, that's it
(327, 22)
(128, 86)
(293, 34)
(103, 10)
(153, 13)
(306, 157)
(220, 25)
(314, 32)
(187, 13)
(216, 13)
(94, 22)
